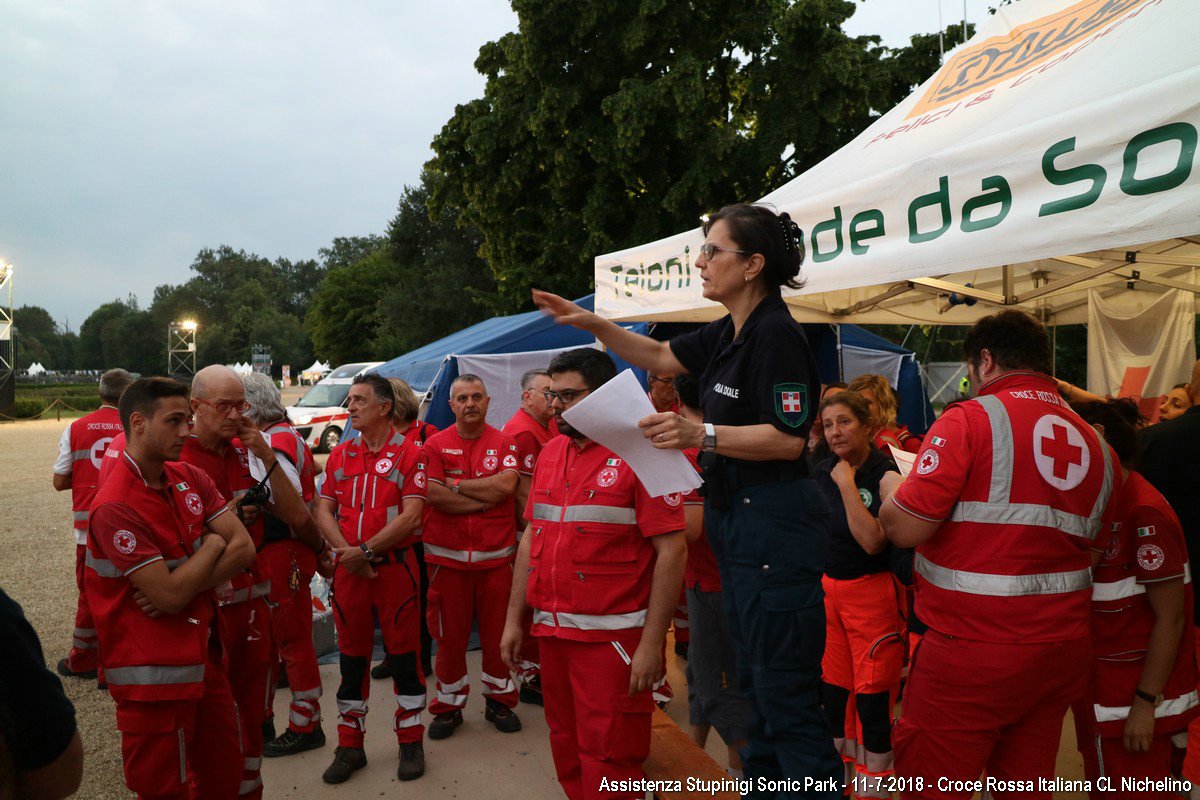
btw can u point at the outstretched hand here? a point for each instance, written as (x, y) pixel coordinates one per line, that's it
(563, 310)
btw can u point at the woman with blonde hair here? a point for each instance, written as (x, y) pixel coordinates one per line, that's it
(879, 395)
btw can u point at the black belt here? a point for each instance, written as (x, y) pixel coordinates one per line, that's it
(393, 556)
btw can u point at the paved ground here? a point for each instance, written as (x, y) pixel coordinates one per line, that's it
(477, 762)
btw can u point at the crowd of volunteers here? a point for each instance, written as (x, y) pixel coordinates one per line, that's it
(847, 630)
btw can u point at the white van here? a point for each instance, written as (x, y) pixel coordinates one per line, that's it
(321, 415)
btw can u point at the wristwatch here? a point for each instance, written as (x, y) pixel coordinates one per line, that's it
(709, 443)
(1155, 700)
(454, 486)
(368, 553)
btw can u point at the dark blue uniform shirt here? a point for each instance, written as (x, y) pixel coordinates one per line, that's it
(765, 375)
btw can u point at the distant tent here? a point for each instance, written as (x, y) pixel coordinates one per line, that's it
(36, 369)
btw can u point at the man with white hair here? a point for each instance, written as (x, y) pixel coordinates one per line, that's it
(225, 445)
(288, 558)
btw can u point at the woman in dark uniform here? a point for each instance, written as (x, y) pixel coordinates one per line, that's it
(766, 519)
(864, 624)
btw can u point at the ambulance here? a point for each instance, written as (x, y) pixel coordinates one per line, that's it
(321, 415)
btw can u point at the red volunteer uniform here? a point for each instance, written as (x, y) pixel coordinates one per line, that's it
(369, 489)
(701, 570)
(174, 707)
(111, 458)
(531, 436)
(419, 432)
(1145, 546)
(590, 570)
(245, 613)
(83, 446)
(289, 565)
(470, 556)
(1019, 484)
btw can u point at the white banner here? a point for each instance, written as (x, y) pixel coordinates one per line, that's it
(501, 375)
(1141, 352)
(1062, 127)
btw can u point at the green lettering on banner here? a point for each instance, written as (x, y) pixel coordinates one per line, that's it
(1180, 132)
(940, 199)
(996, 190)
(657, 283)
(859, 232)
(834, 225)
(1065, 177)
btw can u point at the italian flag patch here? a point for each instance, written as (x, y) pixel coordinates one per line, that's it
(614, 462)
(1146, 531)
(181, 487)
(490, 453)
(938, 441)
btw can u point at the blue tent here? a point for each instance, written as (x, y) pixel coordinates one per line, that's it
(433, 367)
(915, 410)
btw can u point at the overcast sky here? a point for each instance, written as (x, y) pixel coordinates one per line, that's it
(134, 133)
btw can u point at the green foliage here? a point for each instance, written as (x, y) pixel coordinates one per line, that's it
(39, 338)
(607, 124)
(341, 318)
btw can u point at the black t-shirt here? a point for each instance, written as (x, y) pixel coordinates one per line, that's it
(766, 375)
(844, 557)
(36, 718)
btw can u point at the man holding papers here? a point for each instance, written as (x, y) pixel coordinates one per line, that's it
(599, 567)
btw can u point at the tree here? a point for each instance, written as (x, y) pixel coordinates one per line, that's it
(440, 284)
(608, 124)
(342, 317)
(98, 333)
(38, 339)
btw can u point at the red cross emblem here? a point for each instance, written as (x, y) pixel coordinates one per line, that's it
(1060, 451)
(791, 403)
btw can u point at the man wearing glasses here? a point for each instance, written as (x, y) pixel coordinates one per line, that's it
(662, 391)
(532, 426)
(600, 567)
(227, 447)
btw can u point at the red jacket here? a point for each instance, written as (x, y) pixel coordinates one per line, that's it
(89, 437)
(590, 563)
(133, 525)
(1145, 545)
(1019, 484)
(369, 488)
(531, 436)
(470, 541)
(230, 471)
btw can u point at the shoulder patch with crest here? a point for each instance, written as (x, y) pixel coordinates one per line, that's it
(791, 403)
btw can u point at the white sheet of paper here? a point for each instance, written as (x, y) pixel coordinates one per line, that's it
(904, 460)
(610, 416)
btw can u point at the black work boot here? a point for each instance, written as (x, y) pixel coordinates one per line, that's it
(412, 761)
(531, 691)
(381, 671)
(291, 742)
(346, 761)
(443, 725)
(503, 717)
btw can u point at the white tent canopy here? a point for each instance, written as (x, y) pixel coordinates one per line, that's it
(36, 368)
(1052, 154)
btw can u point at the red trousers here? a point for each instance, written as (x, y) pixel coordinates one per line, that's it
(246, 635)
(597, 730)
(393, 594)
(456, 597)
(973, 706)
(1106, 757)
(1191, 762)
(864, 656)
(84, 652)
(290, 566)
(182, 749)
(531, 653)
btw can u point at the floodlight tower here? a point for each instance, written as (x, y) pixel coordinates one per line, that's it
(181, 348)
(8, 352)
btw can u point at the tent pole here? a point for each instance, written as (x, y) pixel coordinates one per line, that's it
(1054, 349)
(841, 367)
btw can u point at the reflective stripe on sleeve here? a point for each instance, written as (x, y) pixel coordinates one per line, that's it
(991, 585)
(1127, 587)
